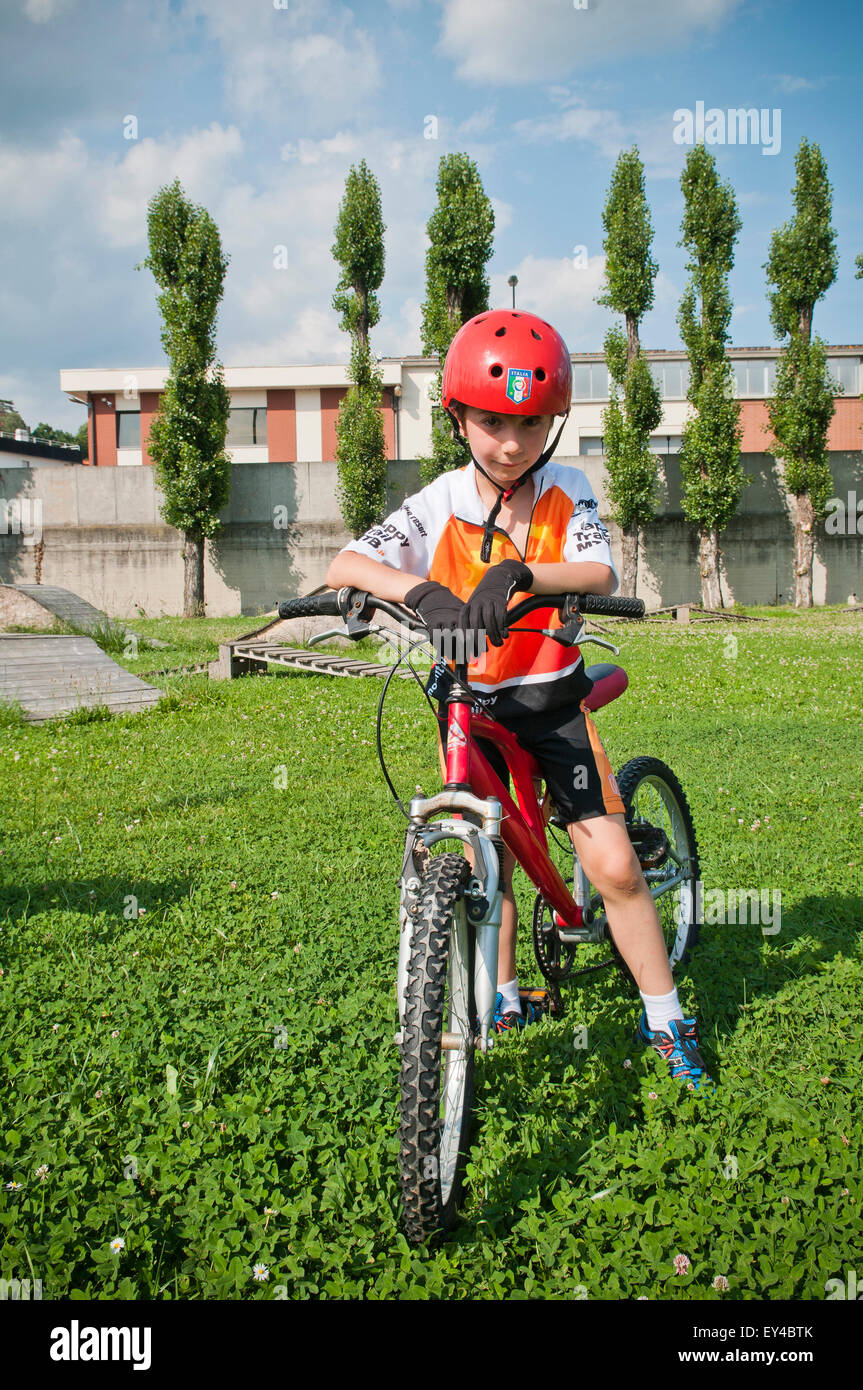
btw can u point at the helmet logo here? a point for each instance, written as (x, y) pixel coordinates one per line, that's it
(518, 384)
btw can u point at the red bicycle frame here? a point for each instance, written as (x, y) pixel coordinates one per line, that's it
(523, 825)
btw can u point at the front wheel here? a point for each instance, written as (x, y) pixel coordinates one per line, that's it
(437, 1051)
(660, 828)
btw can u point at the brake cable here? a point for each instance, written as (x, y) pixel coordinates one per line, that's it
(420, 641)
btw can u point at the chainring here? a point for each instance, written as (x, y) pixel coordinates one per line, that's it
(554, 959)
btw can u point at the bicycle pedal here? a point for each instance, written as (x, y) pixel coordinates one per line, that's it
(650, 844)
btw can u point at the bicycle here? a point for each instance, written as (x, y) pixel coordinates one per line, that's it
(450, 910)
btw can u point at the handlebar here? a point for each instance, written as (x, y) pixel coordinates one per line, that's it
(329, 605)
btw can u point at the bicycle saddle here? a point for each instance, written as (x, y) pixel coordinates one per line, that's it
(609, 681)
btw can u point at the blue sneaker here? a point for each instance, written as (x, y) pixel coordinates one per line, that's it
(532, 1011)
(679, 1047)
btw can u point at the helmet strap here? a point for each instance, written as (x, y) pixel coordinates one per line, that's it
(505, 493)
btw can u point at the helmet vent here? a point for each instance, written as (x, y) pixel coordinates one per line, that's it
(496, 370)
(540, 374)
(499, 332)
(536, 335)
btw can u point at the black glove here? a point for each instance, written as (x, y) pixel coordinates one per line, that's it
(436, 604)
(485, 610)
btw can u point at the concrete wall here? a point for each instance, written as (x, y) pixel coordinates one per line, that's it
(98, 532)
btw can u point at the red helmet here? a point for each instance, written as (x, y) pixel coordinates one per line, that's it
(509, 362)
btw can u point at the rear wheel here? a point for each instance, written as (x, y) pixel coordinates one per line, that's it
(660, 827)
(437, 1051)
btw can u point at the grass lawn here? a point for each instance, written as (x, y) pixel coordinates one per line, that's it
(198, 938)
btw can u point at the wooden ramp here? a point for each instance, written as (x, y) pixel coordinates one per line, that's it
(245, 655)
(50, 676)
(276, 644)
(37, 605)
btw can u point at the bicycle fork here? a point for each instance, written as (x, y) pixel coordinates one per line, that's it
(483, 897)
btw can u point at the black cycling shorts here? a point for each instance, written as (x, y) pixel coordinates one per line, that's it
(571, 758)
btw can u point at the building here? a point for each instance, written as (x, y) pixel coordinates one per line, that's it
(288, 414)
(21, 450)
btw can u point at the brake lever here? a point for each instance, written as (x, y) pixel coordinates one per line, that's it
(353, 612)
(571, 633)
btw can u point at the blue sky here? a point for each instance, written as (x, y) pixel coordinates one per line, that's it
(261, 106)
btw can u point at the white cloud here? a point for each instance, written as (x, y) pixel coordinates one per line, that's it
(608, 132)
(789, 84)
(201, 161)
(503, 213)
(562, 293)
(312, 335)
(477, 123)
(504, 41)
(43, 180)
(604, 129)
(309, 60)
(317, 151)
(402, 333)
(43, 11)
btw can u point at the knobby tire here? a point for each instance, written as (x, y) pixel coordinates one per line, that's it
(434, 1140)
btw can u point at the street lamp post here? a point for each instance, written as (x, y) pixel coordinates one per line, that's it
(513, 281)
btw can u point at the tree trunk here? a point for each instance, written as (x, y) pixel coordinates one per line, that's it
(193, 579)
(804, 545)
(708, 563)
(631, 338)
(362, 327)
(629, 565)
(804, 322)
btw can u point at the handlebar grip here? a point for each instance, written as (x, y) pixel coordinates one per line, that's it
(608, 606)
(313, 606)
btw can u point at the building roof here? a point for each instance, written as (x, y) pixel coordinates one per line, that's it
(40, 448)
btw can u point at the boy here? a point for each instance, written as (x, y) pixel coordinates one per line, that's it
(455, 553)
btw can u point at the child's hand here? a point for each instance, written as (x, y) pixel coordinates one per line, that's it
(485, 610)
(436, 605)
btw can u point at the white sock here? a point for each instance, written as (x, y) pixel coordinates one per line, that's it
(511, 1002)
(661, 1009)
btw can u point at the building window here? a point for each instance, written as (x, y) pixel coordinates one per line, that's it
(665, 443)
(128, 429)
(845, 372)
(672, 378)
(246, 425)
(772, 366)
(590, 382)
(753, 377)
(591, 444)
